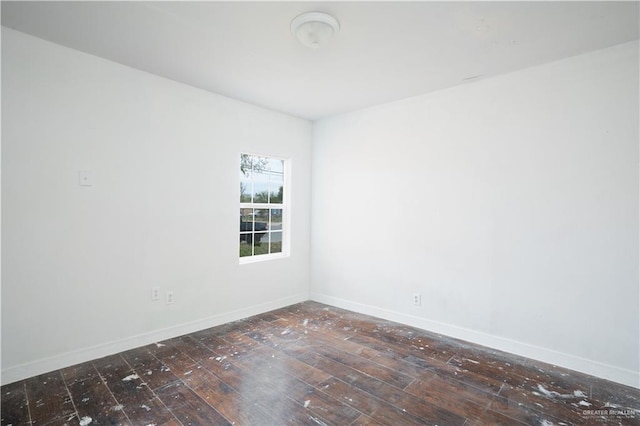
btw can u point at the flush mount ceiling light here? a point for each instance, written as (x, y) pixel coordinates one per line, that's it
(314, 29)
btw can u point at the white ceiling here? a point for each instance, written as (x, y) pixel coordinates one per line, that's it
(385, 51)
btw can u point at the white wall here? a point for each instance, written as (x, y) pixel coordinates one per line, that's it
(511, 204)
(79, 262)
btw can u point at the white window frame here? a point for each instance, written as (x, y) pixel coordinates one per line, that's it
(285, 213)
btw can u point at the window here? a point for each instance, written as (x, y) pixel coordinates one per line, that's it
(262, 207)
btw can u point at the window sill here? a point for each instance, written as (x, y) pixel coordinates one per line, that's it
(261, 258)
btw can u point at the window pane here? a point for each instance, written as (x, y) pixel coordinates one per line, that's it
(244, 173)
(246, 220)
(260, 168)
(276, 176)
(261, 236)
(276, 166)
(260, 243)
(260, 192)
(276, 219)
(245, 176)
(275, 192)
(245, 165)
(245, 245)
(261, 219)
(276, 242)
(245, 191)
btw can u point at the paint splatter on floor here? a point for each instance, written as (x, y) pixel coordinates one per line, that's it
(553, 394)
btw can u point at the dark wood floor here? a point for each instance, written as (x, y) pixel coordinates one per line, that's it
(310, 364)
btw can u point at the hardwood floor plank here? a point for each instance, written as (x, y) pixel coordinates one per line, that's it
(494, 418)
(548, 401)
(178, 362)
(225, 370)
(422, 363)
(381, 411)
(78, 372)
(61, 422)
(248, 372)
(469, 402)
(614, 395)
(188, 407)
(49, 398)
(519, 412)
(335, 411)
(93, 399)
(373, 386)
(395, 336)
(380, 372)
(14, 407)
(285, 364)
(287, 411)
(263, 367)
(198, 349)
(134, 397)
(365, 420)
(268, 377)
(230, 403)
(151, 370)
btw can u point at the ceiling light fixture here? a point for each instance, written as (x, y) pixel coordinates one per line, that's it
(314, 29)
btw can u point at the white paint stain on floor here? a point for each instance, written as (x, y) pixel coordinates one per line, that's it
(318, 421)
(553, 394)
(130, 377)
(85, 421)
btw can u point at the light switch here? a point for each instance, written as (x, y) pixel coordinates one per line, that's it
(86, 178)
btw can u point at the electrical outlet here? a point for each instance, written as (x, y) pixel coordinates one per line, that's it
(169, 297)
(417, 299)
(155, 293)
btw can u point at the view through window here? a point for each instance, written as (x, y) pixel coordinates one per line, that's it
(262, 205)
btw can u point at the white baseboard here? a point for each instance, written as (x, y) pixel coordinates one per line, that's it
(572, 362)
(595, 368)
(34, 368)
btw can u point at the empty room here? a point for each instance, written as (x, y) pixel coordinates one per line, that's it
(320, 213)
